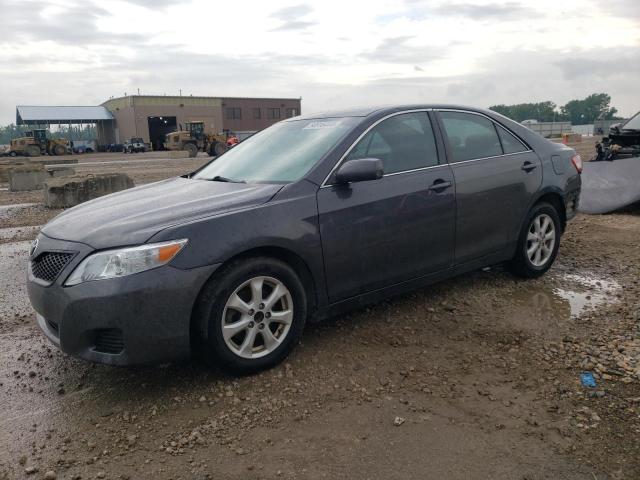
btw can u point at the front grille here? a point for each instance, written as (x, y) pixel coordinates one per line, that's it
(48, 265)
(109, 340)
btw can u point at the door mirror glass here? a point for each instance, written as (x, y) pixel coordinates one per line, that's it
(360, 170)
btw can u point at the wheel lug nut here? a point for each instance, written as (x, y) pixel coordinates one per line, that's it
(251, 324)
(252, 311)
(267, 315)
(261, 326)
(261, 306)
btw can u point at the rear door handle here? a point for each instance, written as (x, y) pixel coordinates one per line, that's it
(439, 185)
(528, 166)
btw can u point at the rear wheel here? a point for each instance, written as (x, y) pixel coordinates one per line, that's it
(58, 150)
(254, 314)
(191, 149)
(538, 242)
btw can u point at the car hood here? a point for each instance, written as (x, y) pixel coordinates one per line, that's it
(132, 216)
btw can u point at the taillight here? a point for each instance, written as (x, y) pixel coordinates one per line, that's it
(577, 162)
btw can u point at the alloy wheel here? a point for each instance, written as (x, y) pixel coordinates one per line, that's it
(541, 240)
(257, 317)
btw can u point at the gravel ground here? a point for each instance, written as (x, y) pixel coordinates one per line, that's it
(476, 377)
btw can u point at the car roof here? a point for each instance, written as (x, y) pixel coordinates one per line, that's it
(365, 111)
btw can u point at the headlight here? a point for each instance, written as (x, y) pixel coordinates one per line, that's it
(125, 261)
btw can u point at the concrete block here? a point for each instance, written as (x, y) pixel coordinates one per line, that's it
(5, 167)
(55, 171)
(178, 154)
(26, 178)
(70, 191)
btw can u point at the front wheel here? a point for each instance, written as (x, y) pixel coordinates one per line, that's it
(538, 242)
(191, 149)
(253, 314)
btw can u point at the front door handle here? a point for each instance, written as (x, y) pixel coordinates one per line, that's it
(439, 185)
(528, 166)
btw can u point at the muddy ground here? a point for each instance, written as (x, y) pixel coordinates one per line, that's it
(476, 377)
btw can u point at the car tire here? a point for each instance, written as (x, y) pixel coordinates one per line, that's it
(538, 242)
(59, 150)
(247, 330)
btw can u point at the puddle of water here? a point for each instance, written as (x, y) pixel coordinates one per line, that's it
(546, 307)
(591, 292)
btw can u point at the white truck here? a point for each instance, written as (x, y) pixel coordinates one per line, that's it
(134, 145)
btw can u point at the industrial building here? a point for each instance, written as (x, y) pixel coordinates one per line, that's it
(152, 117)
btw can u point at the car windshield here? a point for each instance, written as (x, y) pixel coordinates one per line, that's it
(633, 123)
(282, 153)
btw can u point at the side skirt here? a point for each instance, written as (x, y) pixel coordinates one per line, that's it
(379, 295)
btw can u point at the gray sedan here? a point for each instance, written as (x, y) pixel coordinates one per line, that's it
(306, 219)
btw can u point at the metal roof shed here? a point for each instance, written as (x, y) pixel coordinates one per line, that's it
(69, 115)
(38, 115)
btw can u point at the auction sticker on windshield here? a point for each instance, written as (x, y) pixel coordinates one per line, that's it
(316, 125)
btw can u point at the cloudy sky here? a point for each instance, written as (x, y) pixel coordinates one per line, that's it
(331, 53)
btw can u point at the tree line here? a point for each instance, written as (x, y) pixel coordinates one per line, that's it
(596, 106)
(75, 132)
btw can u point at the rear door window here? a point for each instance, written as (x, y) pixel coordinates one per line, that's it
(510, 144)
(470, 136)
(403, 142)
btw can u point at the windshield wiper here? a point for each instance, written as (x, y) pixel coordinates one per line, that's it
(219, 178)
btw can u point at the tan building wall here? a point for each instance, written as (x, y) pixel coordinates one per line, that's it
(256, 113)
(132, 113)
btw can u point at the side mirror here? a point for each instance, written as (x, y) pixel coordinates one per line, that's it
(360, 170)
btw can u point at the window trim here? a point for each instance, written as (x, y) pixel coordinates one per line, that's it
(445, 137)
(372, 126)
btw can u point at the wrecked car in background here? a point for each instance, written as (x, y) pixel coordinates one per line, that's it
(623, 141)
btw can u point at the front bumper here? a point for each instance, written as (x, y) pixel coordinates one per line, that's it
(140, 318)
